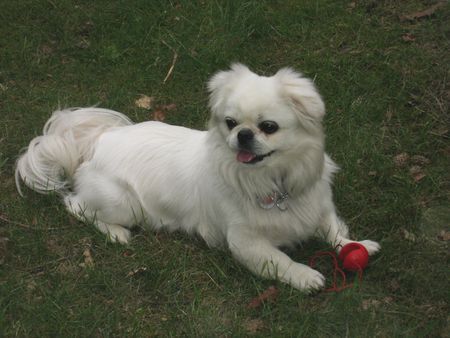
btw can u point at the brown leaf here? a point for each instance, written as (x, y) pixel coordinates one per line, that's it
(370, 303)
(47, 49)
(144, 101)
(401, 160)
(394, 285)
(169, 107)
(444, 235)
(66, 268)
(424, 13)
(136, 271)
(389, 114)
(83, 43)
(31, 285)
(367, 304)
(408, 37)
(254, 325)
(420, 160)
(161, 111)
(128, 253)
(351, 5)
(417, 173)
(270, 294)
(409, 236)
(88, 260)
(159, 115)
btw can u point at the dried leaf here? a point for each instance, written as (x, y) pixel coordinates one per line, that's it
(420, 160)
(417, 173)
(423, 14)
(144, 101)
(394, 285)
(444, 235)
(401, 160)
(136, 271)
(389, 114)
(408, 235)
(88, 260)
(47, 49)
(66, 268)
(169, 107)
(159, 115)
(31, 285)
(370, 303)
(84, 43)
(254, 325)
(367, 304)
(128, 253)
(270, 294)
(408, 37)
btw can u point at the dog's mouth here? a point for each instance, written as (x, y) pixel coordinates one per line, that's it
(248, 157)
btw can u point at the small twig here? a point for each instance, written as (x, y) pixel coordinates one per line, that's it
(174, 60)
(424, 13)
(6, 220)
(212, 279)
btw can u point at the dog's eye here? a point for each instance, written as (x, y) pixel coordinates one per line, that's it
(231, 123)
(268, 127)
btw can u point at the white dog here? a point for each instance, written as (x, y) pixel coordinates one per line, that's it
(258, 179)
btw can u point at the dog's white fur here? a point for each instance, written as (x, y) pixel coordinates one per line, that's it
(117, 174)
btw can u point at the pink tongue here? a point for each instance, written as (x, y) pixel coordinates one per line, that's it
(245, 156)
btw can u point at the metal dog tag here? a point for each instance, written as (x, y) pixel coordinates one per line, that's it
(267, 202)
(276, 199)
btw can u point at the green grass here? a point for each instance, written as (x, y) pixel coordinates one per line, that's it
(384, 96)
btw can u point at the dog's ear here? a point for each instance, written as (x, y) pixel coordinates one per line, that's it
(302, 93)
(221, 84)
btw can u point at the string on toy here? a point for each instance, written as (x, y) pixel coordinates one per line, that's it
(337, 271)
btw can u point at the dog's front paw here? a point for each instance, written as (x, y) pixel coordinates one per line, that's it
(120, 235)
(306, 279)
(372, 247)
(115, 233)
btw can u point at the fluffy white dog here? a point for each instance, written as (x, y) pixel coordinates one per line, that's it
(258, 179)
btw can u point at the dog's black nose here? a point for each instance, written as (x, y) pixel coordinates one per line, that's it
(245, 136)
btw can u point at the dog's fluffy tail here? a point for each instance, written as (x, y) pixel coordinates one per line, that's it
(68, 139)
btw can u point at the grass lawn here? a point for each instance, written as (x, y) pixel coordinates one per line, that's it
(383, 70)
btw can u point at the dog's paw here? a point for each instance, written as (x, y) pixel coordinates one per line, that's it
(117, 233)
(372, 247)
(306, 279)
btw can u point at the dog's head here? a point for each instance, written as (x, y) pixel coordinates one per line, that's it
(266, 121)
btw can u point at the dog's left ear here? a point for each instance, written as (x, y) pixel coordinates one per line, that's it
(302, 93)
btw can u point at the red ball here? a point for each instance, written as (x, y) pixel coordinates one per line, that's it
(354, 256)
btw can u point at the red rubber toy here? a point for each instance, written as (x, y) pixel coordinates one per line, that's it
(354, 257)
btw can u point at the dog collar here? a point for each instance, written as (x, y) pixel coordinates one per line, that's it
(275, 199)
